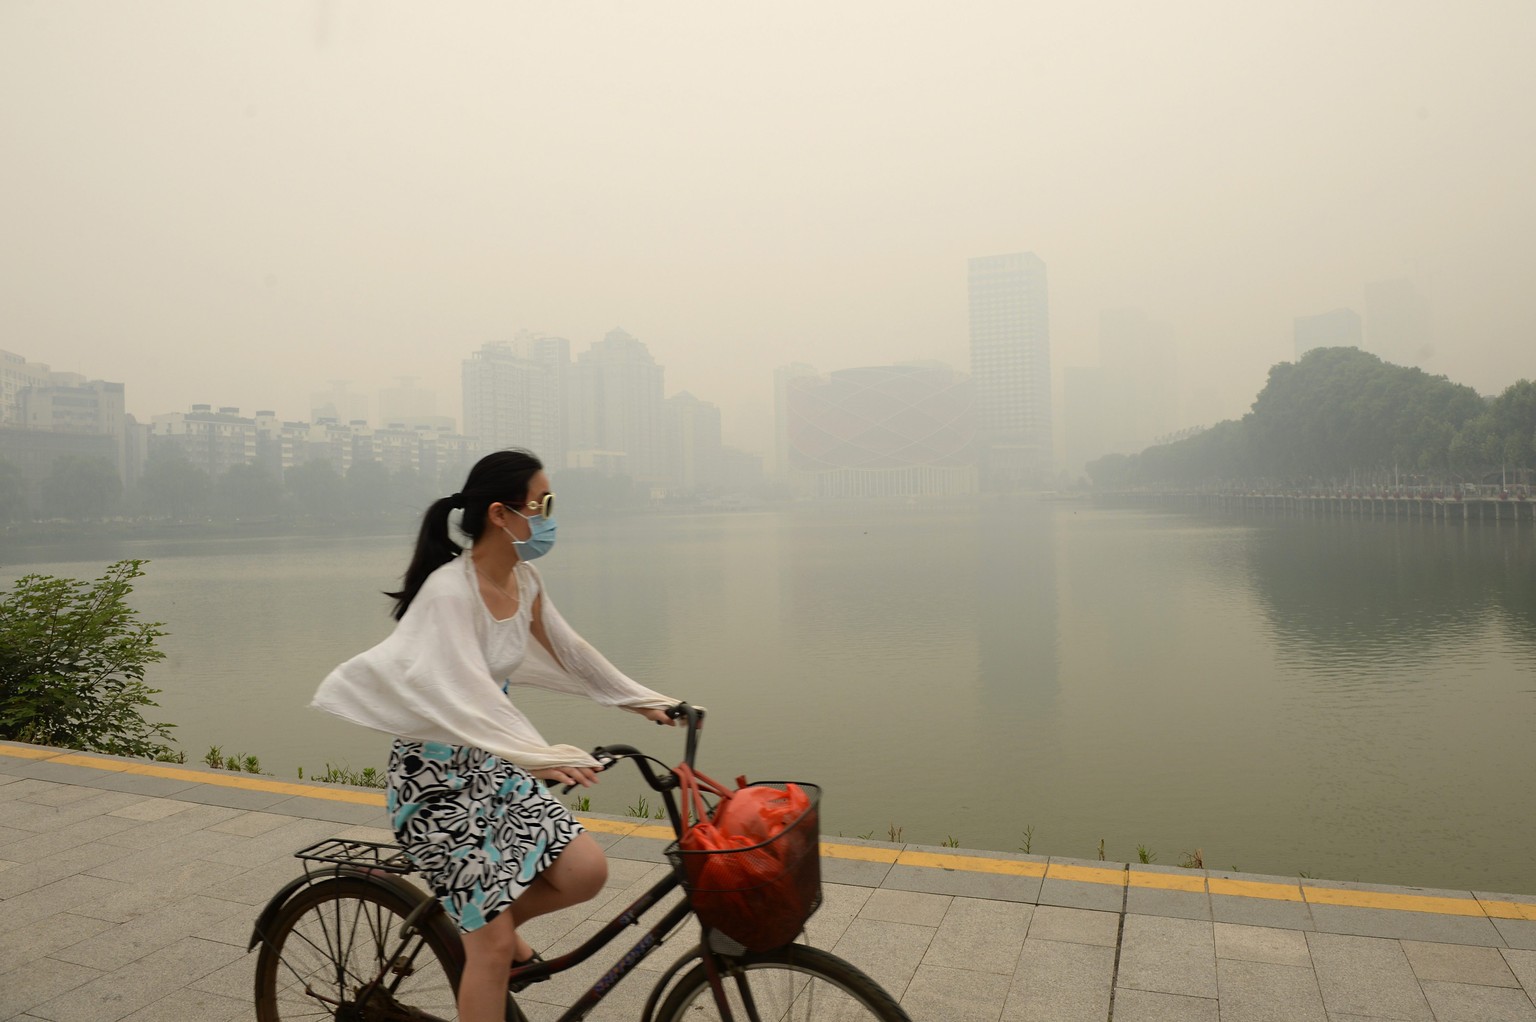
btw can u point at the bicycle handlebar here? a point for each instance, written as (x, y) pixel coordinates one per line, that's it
(608, 755)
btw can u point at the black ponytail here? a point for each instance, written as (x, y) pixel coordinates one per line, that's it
(499, 478)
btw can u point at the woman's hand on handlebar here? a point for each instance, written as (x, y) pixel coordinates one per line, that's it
(570, 776)
(656, 713)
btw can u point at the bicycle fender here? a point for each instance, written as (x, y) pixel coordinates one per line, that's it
(395, 883)
(273, 906)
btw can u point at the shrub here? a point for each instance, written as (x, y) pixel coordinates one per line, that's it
(72, 660)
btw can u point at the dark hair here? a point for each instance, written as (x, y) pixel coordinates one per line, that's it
(501, 478)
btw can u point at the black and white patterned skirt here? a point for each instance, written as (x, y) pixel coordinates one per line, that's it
(478, 828)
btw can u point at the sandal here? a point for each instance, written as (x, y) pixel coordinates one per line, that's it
(518, 985)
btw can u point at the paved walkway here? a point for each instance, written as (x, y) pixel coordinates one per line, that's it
(128, 890)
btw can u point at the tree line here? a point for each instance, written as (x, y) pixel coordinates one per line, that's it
(172, 489)
(1339, 416)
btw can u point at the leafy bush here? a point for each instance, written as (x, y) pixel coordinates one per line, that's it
(72, 660)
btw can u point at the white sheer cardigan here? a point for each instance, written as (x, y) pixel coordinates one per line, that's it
(438, 676)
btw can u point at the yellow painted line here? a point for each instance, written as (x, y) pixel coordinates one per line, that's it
(28, 752)
(606, 826)
(1255, 889)
(1086, 874)
(1168, 882)
(972, 864)
(859, 853)
(1395, 902)
(245, 782)
(1503, 909)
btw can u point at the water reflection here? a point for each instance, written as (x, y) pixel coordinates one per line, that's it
(1363, 600)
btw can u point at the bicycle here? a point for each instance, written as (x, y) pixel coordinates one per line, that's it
(353, 940)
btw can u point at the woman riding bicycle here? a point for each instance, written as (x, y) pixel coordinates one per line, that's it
(463, 797)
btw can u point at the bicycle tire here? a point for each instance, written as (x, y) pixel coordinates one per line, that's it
(797, 984)
(332, 938)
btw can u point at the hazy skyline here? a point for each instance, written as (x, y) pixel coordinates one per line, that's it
(233, 204)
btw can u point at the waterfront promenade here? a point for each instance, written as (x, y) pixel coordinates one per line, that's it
(128, 890)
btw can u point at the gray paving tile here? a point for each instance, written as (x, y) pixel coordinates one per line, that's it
(1523, 965)
(1147, 901)
(1170, 956)
(172, 828)
(151, 978)
(1289, 915)
(1366, 976)
(1375, 922)
(1262, 944)
(1517, 933)
(148, 933)
(962, 884)
(889, 952)
(65, 895)
(275, 844)
(1464, 1002)
(335, 812)
(140, 784)
(22, 945)
(27, 987)
(1075, 926)
(940, 993)
(854, 871)
(1061, 982)
(64, 862)
(153, 891)
(252, 824)
(978, 936)
(23, 787)
(145, 810)
(1265, 992)
(640, 848)
(840, 906)
(190, 1005)
(234, 798)
(1072, 894)
(1484, 966)
(1147, 1006)
(906, 907)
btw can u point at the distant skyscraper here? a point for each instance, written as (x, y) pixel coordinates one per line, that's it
(406, 404)
(1337, 329)
(616, 393)
(514, 395)
(693, 444)
(1011, 367)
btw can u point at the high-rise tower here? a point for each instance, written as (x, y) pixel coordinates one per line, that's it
(1011, 368)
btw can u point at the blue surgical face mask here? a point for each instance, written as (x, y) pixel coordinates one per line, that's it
(541, 536)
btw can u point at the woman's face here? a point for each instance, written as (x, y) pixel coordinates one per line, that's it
(513, 517)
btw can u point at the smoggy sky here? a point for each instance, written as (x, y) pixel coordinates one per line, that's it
(233, 203)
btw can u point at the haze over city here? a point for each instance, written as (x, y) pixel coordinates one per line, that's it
(236, 204)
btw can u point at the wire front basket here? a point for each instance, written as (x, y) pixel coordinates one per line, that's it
(760, 895)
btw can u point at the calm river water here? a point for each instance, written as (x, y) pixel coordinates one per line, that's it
(1352, 699)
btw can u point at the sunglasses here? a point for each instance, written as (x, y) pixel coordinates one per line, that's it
(544, 507)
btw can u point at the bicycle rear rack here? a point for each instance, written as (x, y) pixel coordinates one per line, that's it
(365, 855)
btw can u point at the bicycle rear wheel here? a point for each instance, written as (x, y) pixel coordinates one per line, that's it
(790, 984)
(332, 940)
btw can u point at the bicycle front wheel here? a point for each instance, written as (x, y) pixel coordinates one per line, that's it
(336, 950)
(790, 984)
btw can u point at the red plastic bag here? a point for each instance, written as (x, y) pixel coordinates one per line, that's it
(751, 866)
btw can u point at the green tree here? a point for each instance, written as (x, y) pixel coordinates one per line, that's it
(72, 662)
(13, 493)
(247, 491)
(171, 486)
(367, 488)
(315, 488)
(81, 488)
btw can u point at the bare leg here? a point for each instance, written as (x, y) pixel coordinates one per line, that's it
(574, 877)
(488, 955)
